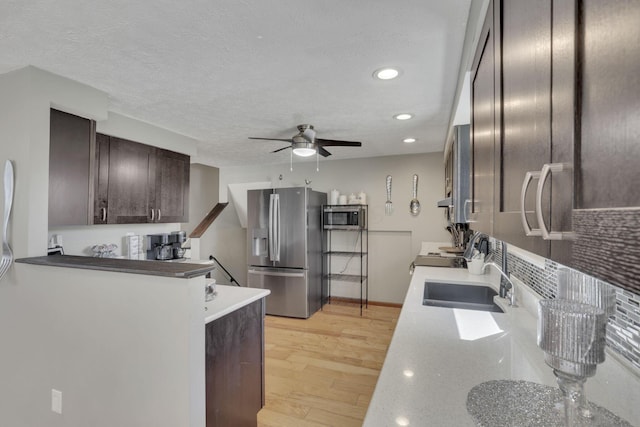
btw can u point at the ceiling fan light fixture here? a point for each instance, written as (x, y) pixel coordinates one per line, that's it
(386, 73)
(403, 116)
(304, 149)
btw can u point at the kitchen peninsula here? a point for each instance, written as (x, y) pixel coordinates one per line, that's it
(126, 334)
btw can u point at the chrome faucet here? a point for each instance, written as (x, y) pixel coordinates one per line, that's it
(508, 289)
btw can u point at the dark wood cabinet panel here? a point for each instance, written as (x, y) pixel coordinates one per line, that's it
(606, 210)
(235, 367)
(524, 109)
(129, 182)
(71, 146)
(483, 133)
(608, 173)
(171, 186)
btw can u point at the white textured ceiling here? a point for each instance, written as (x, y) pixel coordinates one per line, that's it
(223, 70)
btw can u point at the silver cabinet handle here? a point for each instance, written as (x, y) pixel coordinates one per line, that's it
(528, 231)
(547, 169)
(103, 216)
(153, 215)
(159, 214)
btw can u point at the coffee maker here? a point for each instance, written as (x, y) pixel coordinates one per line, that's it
(166, 246)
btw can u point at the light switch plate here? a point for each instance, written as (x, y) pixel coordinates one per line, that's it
(56, 401)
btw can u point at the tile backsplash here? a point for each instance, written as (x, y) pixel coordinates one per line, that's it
(623, 328)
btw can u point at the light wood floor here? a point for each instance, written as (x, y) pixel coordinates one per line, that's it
(322, 371)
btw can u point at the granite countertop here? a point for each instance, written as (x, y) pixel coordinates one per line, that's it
(230, 298)
(437, 355)
(182, 270)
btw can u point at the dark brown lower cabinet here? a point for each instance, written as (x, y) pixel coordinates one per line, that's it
(235, 367)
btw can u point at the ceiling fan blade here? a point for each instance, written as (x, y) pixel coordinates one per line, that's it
(336, 143)
(323, 152)
(280, 149)
(271, 139)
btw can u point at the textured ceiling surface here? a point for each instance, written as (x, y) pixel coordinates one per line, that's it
(223, 70)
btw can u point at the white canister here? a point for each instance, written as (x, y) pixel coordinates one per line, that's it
(476, 264)
(353, 199)
(333, 197)
(362, 198)
(342, 200)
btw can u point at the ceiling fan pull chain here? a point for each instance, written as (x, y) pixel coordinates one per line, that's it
(317, 160)
(291, 162)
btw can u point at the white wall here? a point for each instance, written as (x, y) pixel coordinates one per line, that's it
(78, 240)
(145, 133)
(394, 240)
(203, 196)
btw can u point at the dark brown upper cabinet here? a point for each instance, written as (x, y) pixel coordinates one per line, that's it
(603, 145)
(71, 146)
(129, 180)
(137, 183)
(562, 117)
(483, 104)
(171, 186)
(101, 179)
(523, 135)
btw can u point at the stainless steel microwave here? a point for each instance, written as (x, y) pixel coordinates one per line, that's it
(346, 217)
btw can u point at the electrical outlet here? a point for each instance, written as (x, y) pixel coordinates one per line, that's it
(56, 401)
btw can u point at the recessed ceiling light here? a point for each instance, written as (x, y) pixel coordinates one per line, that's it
(409, 140)
(403, 116)
(386, 73)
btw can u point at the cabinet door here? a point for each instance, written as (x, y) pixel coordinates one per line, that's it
(483, 96)
(72, 141)
(524, 141)
(607, 193)
(171, 186)
(129, 182)
(234, 368)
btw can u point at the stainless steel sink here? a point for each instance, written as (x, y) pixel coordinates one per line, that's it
(452, 295)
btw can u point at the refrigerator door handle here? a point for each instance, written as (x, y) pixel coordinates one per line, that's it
(275, 273)
(277, 231)
(270, 234)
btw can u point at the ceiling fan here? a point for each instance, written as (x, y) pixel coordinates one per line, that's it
(306, 144)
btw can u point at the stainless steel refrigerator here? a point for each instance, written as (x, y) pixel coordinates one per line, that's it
(284, 241)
